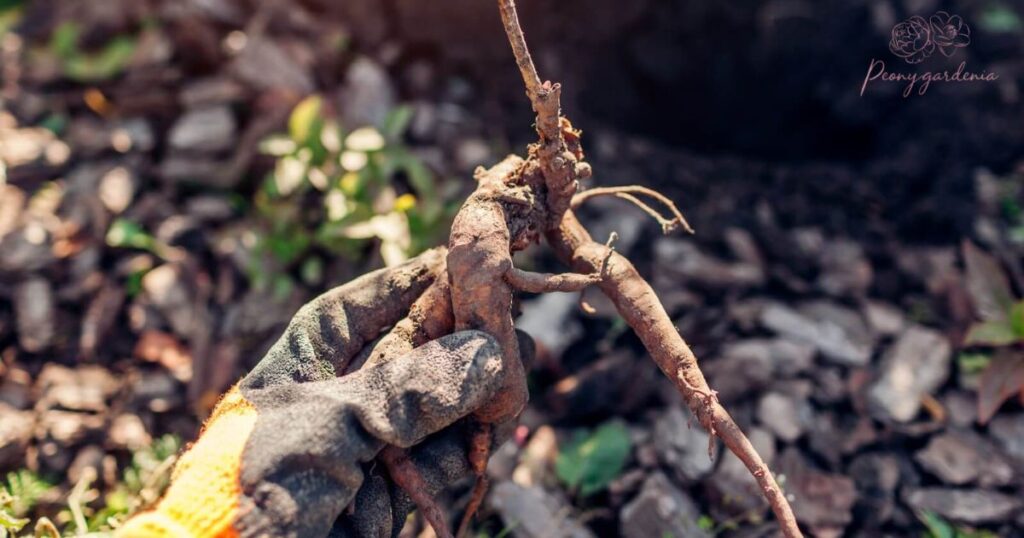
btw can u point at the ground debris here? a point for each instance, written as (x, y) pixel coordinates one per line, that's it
(915, 365)
(660, 509)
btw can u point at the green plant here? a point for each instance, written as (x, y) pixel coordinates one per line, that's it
(342, 193)
(89, 66)
(18, 496)
(1000, 330)
(1000, 18)
(593, 459)
(141, 485)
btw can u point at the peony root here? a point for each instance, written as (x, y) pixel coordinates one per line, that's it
(514, 203)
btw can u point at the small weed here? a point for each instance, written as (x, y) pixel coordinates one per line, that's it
(350, 194)
(592, 460)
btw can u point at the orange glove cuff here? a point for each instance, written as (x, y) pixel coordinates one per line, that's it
(203, 498)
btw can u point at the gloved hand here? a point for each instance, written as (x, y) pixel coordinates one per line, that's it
(288, 448)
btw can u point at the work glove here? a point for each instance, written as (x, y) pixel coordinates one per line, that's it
(291, 446)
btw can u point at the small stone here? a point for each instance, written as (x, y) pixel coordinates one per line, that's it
(744, 367)
(961, 408)
(25, 249)
(550, 319)
(204, 130)
(34, 307)
(209, 208)
(883, 318)
(784, 357)
(265, 65)
(157, 391)
(210, 91)
(128, 432)
(189, 169)
(830, 386)
(138, 134)
(165, 349)
(661, 509)
(85, 388)
(877, 476)
(534, 513)
(791, 357)
(16, 388)
(1008, 431)
(845, 271)
(833, 436)
(15, 434)
(933, 267)
(682, 445)
(472, 152)
(12, 202)
(743, 246)
(818, 498)
(681, 258)
(89, 460)
(971, 506)
(67, 428)
(962, 457)
(537, 458)
(837, 332)
(367, 95)
(166, 288)
(785, 415)
(915, 365)
(116, 189)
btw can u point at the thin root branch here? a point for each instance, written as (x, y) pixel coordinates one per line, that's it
(531, 282)
(408, 477)
(479, 453)
(629, 193)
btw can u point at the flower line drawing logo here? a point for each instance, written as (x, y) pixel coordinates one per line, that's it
(916, 39)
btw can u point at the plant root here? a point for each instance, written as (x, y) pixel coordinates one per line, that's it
(639, 306)
(405, 474)
(629, 193)
(513, 203)
(479, 453)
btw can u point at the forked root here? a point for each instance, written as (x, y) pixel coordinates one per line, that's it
(629, 193)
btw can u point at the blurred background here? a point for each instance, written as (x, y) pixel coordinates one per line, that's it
(178, 177)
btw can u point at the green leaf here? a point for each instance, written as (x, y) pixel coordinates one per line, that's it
(124, 233)
(107, 63)
(1017, 319)
(24, 489)
(64, 40)
(305, 123)
(10, 523)
(999, 18)
(590, 462)
(397, 121)
(991, 333)
(937, 527)
(972, 363)
(10, 4)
